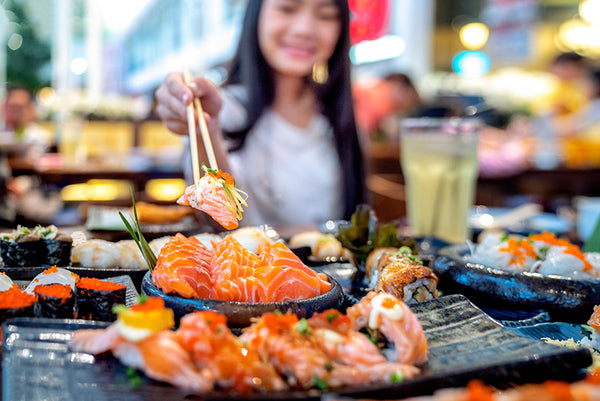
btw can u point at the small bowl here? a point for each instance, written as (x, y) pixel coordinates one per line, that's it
(240, 314)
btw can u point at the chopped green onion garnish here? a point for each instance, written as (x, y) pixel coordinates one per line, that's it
(396, 377)
(118, 308)
(142, 298)
(328, 367)
(302, 327)
(320, 383)
(331, 316)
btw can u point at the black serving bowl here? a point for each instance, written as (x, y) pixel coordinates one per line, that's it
(569, 299)
(240, 314)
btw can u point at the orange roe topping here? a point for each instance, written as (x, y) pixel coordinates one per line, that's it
(278, 323)
(15, 298)
(334, 318)
(220, 175)
(559, 390)
(518, 251)
(54, 290)
(99, 285)
(151, 303)
(593, 377)
(572, 249)
(53, 269)
(595, 318)
(478, 391)
(214, 320)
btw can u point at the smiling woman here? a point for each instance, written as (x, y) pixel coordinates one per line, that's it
(298, 133)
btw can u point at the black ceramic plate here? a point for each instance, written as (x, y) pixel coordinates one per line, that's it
(28, 273)
(565, 298)
(239, 314)
(560, 331)
(464, 344)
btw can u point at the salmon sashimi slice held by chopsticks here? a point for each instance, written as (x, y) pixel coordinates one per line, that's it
(216, 195)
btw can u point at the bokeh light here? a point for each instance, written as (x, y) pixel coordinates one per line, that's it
(474, 36)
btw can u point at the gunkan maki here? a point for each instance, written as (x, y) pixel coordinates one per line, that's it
(54, 301)
(95, 299)
(38, 246)
(15, 303)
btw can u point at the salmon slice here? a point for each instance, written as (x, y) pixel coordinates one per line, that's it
(276, 284)
(278, 254)
(595, 318)
(216, 348)
(183, 267)
(232, 260)
(161, 357)
(395, 320)
(212, 201)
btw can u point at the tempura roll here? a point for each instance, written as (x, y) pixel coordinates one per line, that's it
(95, 299)
(408, 280)
(54, 301)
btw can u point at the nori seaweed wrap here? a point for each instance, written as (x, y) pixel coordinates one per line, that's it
(54, 301)
(40, 246)
(95, 299)
(15, 303)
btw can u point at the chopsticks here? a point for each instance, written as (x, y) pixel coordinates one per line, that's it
(193, 135)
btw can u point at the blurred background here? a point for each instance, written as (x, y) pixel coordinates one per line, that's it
(93, 67)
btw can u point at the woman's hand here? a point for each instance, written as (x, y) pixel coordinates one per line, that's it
(174, 95)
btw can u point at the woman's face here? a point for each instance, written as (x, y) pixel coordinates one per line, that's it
(293, 35)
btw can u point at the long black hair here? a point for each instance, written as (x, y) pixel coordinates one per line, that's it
(250, 70)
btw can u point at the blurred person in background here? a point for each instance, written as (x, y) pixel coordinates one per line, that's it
(287, 136)
(21, 196)
(587, 119)
(568, 95)
(379, 104)
(20, 118)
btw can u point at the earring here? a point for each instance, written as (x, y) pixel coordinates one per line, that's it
(320, 72)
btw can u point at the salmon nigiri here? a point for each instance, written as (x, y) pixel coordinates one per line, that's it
(216, 195)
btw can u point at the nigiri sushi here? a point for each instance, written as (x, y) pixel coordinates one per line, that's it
(216, 195)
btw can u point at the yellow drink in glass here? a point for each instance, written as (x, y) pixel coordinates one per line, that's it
(439, 164)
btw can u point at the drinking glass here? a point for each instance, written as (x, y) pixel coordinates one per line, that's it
(439, 164)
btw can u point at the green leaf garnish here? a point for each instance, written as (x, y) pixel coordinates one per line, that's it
(134, 378)
(504, 238)
(277, 312)
(138, 237)
(328, 367)
(320, 383)
(302, 327)
(396, 377)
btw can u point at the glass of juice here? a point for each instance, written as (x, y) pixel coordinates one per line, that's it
(439, 164)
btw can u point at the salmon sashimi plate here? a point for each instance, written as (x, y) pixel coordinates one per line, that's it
(230, 272)
(278, 352)
(216, 195)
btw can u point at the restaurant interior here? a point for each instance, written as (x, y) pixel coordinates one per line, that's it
(498, 228)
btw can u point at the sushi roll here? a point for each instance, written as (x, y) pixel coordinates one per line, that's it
(54, 301)
(95, 299)
(38, 246)
(15, 303)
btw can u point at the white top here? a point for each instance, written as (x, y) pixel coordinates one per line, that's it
(292, 175)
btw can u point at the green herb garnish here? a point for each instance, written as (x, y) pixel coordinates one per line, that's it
(328, 367)
(504, 237)
(138, 237)
(134, 378)
(302, 327)
(396, 377)
(331, 316)
(320, 383)
(118, 308)
(277, 312)
(142, 299)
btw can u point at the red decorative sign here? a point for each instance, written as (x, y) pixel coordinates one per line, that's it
(369, 19)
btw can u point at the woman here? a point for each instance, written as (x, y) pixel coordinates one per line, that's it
(290, 142)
